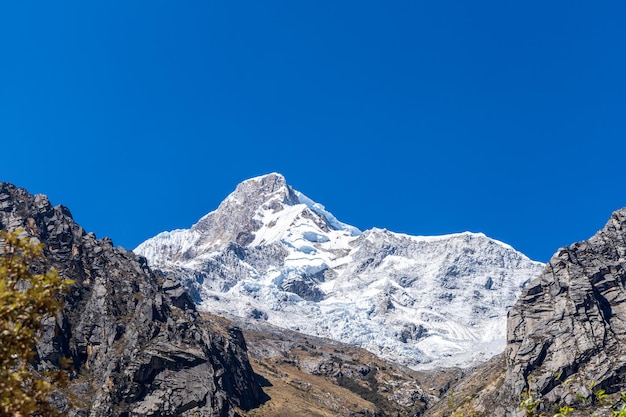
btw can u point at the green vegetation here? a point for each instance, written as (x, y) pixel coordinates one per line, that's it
(26, 298)
(531, 405)
(600, 397)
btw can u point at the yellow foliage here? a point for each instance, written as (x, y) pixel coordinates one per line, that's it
(26, 298)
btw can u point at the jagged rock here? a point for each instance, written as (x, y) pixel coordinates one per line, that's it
(303, 286)
(412, 332)
(571, 322)
(138, 346)
(566, 332)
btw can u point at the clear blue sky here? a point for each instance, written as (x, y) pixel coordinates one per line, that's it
(423, 117)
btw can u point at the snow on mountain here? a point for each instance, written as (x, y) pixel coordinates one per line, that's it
(270, 253)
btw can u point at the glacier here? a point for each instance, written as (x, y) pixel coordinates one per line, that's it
(270, 253)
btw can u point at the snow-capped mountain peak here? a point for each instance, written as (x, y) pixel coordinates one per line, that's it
(270, 253)
(261, 211)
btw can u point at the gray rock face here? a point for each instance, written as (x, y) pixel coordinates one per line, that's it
(572, 320)
(137, 343)
(568, 329)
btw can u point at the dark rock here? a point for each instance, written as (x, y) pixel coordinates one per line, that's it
(138, 346)
(489, 283)
(567, 332)
(412, 332)
(305, 287)
(258, 314)
(572, 320)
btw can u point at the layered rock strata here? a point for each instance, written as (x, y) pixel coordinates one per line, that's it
(566, 336)
(570, 324)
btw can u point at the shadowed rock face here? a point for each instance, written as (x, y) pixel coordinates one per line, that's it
(568, 325)
(572, 320)
(137, 343)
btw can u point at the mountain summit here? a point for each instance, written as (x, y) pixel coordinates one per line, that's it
(260, 211)
(270, 253)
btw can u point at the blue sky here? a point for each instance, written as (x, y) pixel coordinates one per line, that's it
(423, 117)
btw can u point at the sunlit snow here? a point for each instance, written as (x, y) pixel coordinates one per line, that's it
(424, 301)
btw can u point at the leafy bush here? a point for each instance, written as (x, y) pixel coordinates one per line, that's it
(26, 298)
(530, 405)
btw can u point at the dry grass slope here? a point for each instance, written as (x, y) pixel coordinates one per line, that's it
(309, 376)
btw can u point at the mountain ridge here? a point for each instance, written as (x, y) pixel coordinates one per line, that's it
(565, 337)
(138, 342)
(138, 345)
(269, 252)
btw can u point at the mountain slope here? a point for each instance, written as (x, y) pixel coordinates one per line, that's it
(566, 334)
(310, 376)
(570, 322)
(270, 253)
(138, 346)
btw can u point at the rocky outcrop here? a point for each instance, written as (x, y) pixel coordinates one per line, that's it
(571, 322)
(331, 378)
(567, 332)
(138, 346)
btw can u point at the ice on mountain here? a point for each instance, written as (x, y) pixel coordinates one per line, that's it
(312, 236)
(271, 253)
(320, 210)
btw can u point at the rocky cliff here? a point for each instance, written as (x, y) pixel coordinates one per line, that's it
(138, 346)
(571, 322)
(566, 334)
